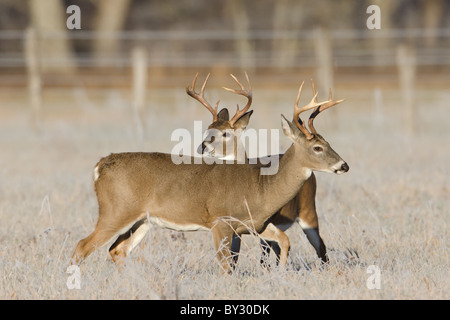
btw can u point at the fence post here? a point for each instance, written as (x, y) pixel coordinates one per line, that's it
(243, 43)
(34, 75)
(139, 62)
(406, 64)
(324, 57)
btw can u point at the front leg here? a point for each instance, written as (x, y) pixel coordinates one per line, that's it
(223, 236)
(307, 216)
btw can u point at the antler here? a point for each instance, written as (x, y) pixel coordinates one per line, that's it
(312, 104)
(246, 93)
(190, 90)
(319, 109)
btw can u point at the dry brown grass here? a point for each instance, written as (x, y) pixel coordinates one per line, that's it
(389, 210)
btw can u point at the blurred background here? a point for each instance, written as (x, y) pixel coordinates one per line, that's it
(274, 39)
(140, 54)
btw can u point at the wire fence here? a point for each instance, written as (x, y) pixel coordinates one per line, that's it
(207, 48)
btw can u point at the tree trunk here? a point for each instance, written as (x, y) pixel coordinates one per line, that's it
(111, 19)
(406, 63)
(287, 16)
(48, 17)
(432, 18)
(243, 44)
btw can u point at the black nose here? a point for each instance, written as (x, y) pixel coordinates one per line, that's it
(345, 167)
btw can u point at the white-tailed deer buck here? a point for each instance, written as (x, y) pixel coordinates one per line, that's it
(300, 209)
(135, 189)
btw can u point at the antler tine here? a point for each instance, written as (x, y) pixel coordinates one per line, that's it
(314, 88)
(200, 96)
(319, 109)
(310, 125)
(312, 104)
(202, 90)
(244, 92)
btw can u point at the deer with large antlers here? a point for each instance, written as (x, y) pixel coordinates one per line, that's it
(302, 208)
(136, 189)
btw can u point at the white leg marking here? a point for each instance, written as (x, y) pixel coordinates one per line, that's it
(137, 236)
(303, 224)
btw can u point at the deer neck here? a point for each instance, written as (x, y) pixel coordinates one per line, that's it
(291, 176)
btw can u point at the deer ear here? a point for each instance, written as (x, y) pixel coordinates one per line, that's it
(223, 115)
(242, 122)
(290, 130)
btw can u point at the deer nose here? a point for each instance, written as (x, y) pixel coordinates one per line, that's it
(345, 167)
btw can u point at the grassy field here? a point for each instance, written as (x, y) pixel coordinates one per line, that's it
(390, 210)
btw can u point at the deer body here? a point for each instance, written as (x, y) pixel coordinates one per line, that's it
(188, 197)
(136, 183)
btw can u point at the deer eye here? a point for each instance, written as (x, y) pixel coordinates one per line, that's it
(318, 149)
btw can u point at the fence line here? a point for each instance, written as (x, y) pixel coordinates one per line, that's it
(350, 48)
(233, 34)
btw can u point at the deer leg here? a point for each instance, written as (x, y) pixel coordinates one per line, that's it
(308, 220)
(311, 229)
(105, 230)
(272, 233)
(128, 241)
(266, 246)
(223, 235)
(265, 252)
(312, 234)
(96, 239)
(235, 248)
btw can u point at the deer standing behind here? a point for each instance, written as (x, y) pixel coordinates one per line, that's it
(137, 189)
(300, 209)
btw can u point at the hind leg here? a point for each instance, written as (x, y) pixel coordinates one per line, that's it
(108, 227)
(96, 239)
(272, 233)
(128, 241)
